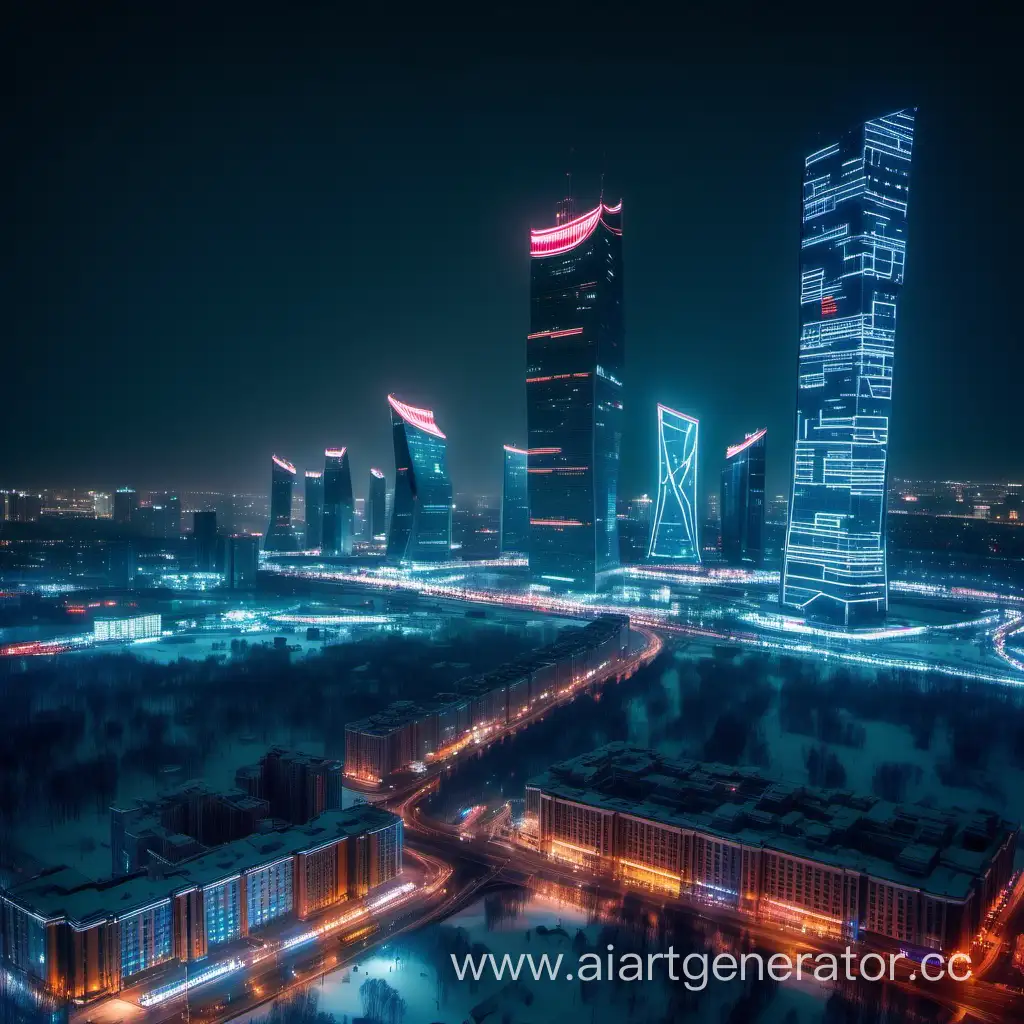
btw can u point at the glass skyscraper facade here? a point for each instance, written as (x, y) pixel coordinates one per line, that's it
(421, 516)
(674, 533)
(339, 503)
(742, 505)
(575, 361)
(314, 508)
(280, 533)
(852, 254)
(377, 508)
(515, 502)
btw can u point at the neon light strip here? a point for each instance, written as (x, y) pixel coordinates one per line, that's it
(377, 473)
(544, 451)
(335, 453)
(555, 522)
(653, 871)
(735, 449)
(422, 419)
(515, 451)
(555, 334)
(565, 237)
(313, 474)
(681, 415)
(283, 463)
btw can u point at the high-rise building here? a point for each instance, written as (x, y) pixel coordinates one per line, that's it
(164, 516)
(314, 508)
(204, 538)
(125, 503)
(421, 519)
(376, 508)
(852, 252)
(575, 361)
(280, 533)
(339, 503)
(674, 534)
(743, 501)
(635, 518)
(515, 502)
(242, 560)
(102, 504)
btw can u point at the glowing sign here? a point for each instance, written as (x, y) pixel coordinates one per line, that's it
(422, 419)
(828, 306)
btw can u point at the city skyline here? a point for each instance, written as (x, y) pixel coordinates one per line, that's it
(685, 313)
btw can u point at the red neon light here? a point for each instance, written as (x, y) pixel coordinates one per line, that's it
(422, 419)
(516, 451)
(735, 449)
(555, 334)
(284, 464)
(555, 522)
(675, 412)
(335, 453)
(561, 469)
(314, 474)
(828, 306)
(544, 451)
(377, 473)
(564, 237)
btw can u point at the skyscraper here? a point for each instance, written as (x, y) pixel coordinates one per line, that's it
(339, 504)
(852, 249)
(314, 508)
(742, 505)
(515, 503)
(575, 359)
(126, 501)
(204, 538)
(242, 560)
(376, 508)
(674, 535)
(421, 518)
(280, 534)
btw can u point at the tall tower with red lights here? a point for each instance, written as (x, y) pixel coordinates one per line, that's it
(575, 354)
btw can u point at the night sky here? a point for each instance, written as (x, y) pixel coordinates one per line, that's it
(233, 234)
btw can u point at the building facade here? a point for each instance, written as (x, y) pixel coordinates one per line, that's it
(82, 939)
(205, 540)
(280, 532)
(742, 504)
(825, 862)
(515, 502)
(852, 254)
(674, 532)
(377, 508)
(421, 515)
(339, 503)
(242, 560)
(575, 356)
(314, 509)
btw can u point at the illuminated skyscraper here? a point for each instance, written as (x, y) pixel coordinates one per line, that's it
(339, 503)
(852, 249)
(377, 508)
(674, 535)
(280, 534)
(515, 503)
(421, 518)
(126, 502)
(575, 360)
(742, 505)
(314, 509)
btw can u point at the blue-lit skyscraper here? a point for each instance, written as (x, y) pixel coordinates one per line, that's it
(377, 508)
(515, 502)
(339, 503)
(575, 359)
(421, 518)
(852, 249)
(314, 508)
(743, 502)
(280, 534)
(674, 534)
